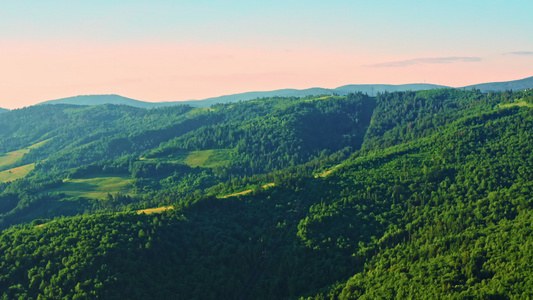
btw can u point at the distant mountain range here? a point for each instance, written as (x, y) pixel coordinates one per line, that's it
(3, 110)
(514, 85)
(370, 89)
(106, 99)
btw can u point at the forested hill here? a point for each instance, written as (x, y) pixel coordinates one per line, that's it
(370, 89)
(343, 91)
(405, 195)
(515, 85)
(105, 99)
(177, 150)
(3, 110)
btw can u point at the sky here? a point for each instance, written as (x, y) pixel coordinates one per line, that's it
(181, 50)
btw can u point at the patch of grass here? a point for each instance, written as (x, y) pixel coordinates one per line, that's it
(154, 210)
(201, 158)
(219, 157)
(13, 157)
(42, 225)
(208, 158)
(198, 158)
(327, 172)
(39, 144)
(519, 103)
(16, 173)
(247, 191)
(96, 187)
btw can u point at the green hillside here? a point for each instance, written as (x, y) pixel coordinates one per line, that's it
(13, 158)
(515, 85)
(419, 195)
(96, 187)
(103, 99)
(16, 173)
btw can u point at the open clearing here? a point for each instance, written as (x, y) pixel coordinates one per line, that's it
(146, 211)
(14, 157)
(16, 173)
(519, 103)
(326, 173)
(208, 158)
(96, 187)
(202, 158)
(198, 158)
(247, 191)
(42, 225)
(154, 210)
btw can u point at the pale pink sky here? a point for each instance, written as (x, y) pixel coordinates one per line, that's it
(178, 50)
(164, 72)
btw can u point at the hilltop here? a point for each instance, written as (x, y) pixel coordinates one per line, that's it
(515, 85)
(103, 99)
(370, 89)
(343, 91)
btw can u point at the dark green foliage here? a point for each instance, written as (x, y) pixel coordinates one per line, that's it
(261, 136)
(272, 134)
(434, 201)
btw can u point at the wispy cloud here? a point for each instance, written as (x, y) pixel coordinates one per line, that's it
(521, 53)
(423, 61)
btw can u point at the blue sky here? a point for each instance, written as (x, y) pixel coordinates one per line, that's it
(180, 50)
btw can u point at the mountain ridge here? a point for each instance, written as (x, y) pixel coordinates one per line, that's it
(520, 84)
(370, 89)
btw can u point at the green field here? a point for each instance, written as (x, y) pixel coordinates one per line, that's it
(266, 186)
(13, 157)
(518, 103)
(208, 158)
(96, 187)
(154, 210)
(202, 158)
(16, 173)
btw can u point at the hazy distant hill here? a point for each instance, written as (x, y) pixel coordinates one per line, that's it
(254, 95)
(515, 85)
(370, 89)
(343, 90)
(373, 89)
(107, 99)
(3, 110)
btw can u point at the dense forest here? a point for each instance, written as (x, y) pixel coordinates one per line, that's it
(423, 194)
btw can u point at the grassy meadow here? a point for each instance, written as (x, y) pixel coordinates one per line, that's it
(202, 158)
(16, 173)
(247, 191)
(521, 103)
(12, 158)
(154, 210)
(96, 187)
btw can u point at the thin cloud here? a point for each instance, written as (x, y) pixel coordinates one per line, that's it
(424, 61)
(521, 53)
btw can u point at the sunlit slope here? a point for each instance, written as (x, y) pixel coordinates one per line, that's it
(16, 173)
(96, 187)
(14, 157)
